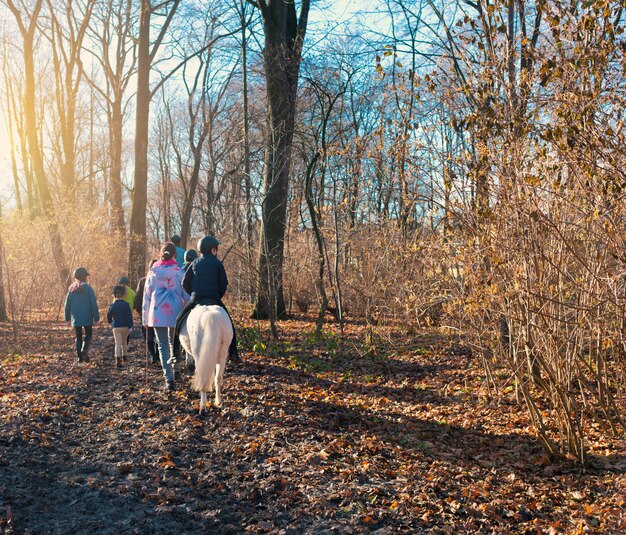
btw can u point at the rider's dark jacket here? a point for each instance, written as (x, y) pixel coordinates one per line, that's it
(206, 279)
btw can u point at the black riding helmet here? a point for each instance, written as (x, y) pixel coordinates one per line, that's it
(207, 243)
(190, 255)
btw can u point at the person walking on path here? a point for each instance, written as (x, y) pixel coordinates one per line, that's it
(129, 293)
(81, 309)
(148, 332)
(190, 256)
(163, 299)
(129, 297)
(120, 316)
(206, 281)
(180, 252)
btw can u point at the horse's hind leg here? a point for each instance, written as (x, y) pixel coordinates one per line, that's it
(202, 401)
(219, 374)
(219, 371)
(190, 362)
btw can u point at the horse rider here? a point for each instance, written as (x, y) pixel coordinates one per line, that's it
(206, 281)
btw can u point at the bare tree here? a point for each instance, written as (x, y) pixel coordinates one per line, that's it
(27, 24)
(245, 19)
(8, 118)
(112, 33)
(14, 119)
(326, 98)
(146, 54)
(66, 39)
(3, 305)
(202, 110)
(284, 34)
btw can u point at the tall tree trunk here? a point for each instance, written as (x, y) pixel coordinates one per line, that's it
(210, 199)
(145, 56)
(31, 195)
(68, 142)
(191, 194)
(319, 240)
(36, 156)
(115, 177)
(137, 251)
(112, 32)
(10, 101)
(91, 164)
(284, 35)
(16, 180)
(355, 182)
(281, 113)
(3, 304)
(15, 116)
(246, 138)
(67, 44)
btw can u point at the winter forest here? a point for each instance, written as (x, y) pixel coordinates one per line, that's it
(421, 208)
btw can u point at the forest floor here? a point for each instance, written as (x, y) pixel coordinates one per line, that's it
(379, 432)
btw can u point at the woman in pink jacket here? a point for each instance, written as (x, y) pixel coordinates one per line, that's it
(163, 299)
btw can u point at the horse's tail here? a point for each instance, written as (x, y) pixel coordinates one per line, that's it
(214, 325)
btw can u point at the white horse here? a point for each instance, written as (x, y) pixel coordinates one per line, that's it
(206, 335)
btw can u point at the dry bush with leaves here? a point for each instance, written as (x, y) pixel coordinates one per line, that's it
(384, 275)
(544, 294)
(543, 243)
(540, 239)
(32, 282)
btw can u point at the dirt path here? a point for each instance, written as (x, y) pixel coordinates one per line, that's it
(311, 439)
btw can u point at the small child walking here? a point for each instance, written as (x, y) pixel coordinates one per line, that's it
(81, 309)
(120, 317)
(129, 297)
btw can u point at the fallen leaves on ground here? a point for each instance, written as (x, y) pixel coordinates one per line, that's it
(316, 435)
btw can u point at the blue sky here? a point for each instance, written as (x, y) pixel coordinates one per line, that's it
(324, 15)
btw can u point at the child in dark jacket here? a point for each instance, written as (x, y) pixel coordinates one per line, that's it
(148, 332)
(121, 318)
(190, 256)
(81, 308)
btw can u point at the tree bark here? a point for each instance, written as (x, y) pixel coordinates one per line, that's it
(116, 126)
(284, 35)
(145, 56)
(137, 251)
(247, 179)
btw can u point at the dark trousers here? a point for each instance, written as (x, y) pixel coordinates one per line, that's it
(232, 349)
(153, 348)
(82, 344)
